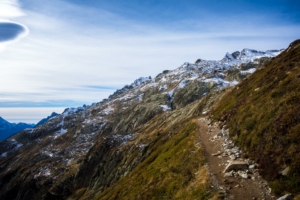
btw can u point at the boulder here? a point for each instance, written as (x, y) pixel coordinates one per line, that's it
(236, 165)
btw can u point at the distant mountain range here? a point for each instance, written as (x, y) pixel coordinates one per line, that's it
(7, 129)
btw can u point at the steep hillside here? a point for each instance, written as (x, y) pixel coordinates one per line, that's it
(7, 129)
(143, 132)
(174, 170)
(263, 115)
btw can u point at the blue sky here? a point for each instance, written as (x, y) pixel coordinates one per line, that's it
(65, 53)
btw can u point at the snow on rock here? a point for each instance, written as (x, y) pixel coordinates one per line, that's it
(123, 138)
(140, 97)
(18, 145)
(15, 146)
(28, 130)
(4, 154)
(107, 110)
(42, 172)
(248, 55)
(221, 82)
(62, 131)
(140, 80)
(165, 107)
(249, 71)
(205, 112)
(69, 111)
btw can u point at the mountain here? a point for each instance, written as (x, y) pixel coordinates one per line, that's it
(43, 121)
(143, 141)
(7, 129)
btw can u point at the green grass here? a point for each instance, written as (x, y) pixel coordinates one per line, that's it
(174, 170)
(263, 115)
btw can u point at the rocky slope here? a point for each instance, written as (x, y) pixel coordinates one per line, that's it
(263, 116)
(44, 120)
(7, 129)
(144, 134)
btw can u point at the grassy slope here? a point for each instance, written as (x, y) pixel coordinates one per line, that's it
(263, 114)
(174, 170)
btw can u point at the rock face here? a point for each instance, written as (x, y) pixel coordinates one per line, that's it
(236, 165)
(85, 150)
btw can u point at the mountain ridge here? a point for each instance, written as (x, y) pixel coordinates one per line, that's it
(7, 129)
(44, 120)
(86, 150)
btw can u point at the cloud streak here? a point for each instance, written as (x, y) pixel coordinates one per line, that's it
(83, 53)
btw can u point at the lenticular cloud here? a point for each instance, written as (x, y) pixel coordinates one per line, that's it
(10, 31)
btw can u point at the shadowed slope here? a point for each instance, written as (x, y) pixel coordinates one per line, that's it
(263, 115)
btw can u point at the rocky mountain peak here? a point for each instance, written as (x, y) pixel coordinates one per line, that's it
(7, 128)
(141, 80)
(3, 121)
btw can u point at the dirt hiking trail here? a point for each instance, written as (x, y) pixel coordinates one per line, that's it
(235, 183)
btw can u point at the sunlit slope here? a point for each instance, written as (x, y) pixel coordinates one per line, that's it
(174, 169)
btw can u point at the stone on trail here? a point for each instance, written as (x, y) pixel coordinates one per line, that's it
(286, 197)
(217, 154)
(236, 165)
(251, 166)
(285, 171)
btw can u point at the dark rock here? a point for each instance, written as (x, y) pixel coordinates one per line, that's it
(197, 61)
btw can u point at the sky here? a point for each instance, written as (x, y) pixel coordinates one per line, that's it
(66, 53)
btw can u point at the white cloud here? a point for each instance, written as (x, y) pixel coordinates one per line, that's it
(28, 115)
(10, 9)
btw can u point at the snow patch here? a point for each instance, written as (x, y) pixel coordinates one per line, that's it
(165, 107)
(42, 172)
(249, 71)
(4, 154)
(107, 110)
(28, 130)
(123, 138)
